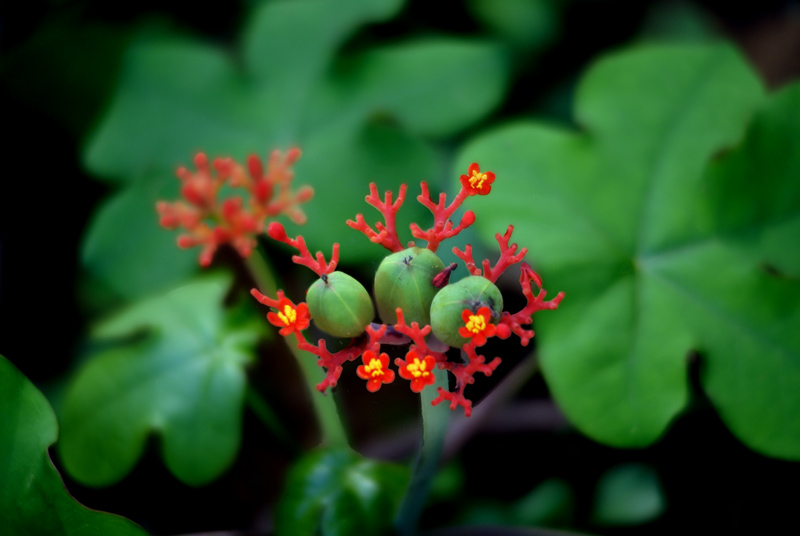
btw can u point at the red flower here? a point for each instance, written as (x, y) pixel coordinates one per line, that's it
(420, 372)
(289, 317)
(477, 325)
(375, 370)
(475, 182)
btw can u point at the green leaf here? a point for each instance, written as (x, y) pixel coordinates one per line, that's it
(277, 40)
(33, 499)
(526, 24)
(550, 504)
(126, 247)
(174, 98)
(359, 117)
(180, 375)
(745, 306)
(655, 260)
(433, 87)
(628, 495)
(66, 68)
(337, 492)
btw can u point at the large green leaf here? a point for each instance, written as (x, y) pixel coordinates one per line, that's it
(337, 492)
(33, 499)
(180, 375)
(746, 305)
(657, 260)
(433, 87)
(294, 87)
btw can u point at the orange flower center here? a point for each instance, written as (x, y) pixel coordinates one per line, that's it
(417, 368)
(477, 179)
(375, 367)
(288, 316)
(476, 323)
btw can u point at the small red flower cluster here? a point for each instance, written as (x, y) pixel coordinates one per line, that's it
(421, 359)
(209, 223)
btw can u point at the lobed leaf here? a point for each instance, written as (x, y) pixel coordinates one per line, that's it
(174, 366)
(660, 251)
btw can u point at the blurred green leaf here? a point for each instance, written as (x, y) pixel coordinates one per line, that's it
(679, 20)
(628, 495)
(337, 492)
(656, 262)
(550, 504)
(128, 250)
(526, 24)
(180, 374)
(289, 44)
(448, 482)
(173, 99)
(433, 87)
(358, 117)
(33, 499)
(66, 68)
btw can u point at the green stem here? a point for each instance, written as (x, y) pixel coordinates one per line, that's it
(333, 433)
(330, 423)
(434, 429)
(261, 272)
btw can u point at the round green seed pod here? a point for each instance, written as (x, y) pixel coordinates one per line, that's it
(340, 305)
(471, 293)
(405, 279)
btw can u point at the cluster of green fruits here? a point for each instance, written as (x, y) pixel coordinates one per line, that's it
(342, 307)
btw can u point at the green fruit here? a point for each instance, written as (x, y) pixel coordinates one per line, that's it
(340, 305)
(405, 279)
(471, 293)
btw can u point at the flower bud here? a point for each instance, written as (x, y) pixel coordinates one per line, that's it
(340, 305)
(471, 293)
(405, 279)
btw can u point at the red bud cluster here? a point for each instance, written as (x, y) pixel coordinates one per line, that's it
(209, 222)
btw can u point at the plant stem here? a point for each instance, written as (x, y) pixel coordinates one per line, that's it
(434, 428)
(333, 433)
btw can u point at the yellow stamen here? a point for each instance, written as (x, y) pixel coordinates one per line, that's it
(476, 323)
(375, 368)
(417, 368)
(288, 316)
(477, 179)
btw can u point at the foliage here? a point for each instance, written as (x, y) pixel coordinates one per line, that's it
(172, 365)
(337, 492)
(664, 244)
(33, 500)
(628, 495)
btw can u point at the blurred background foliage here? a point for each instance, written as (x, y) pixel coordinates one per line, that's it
(103, 102)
